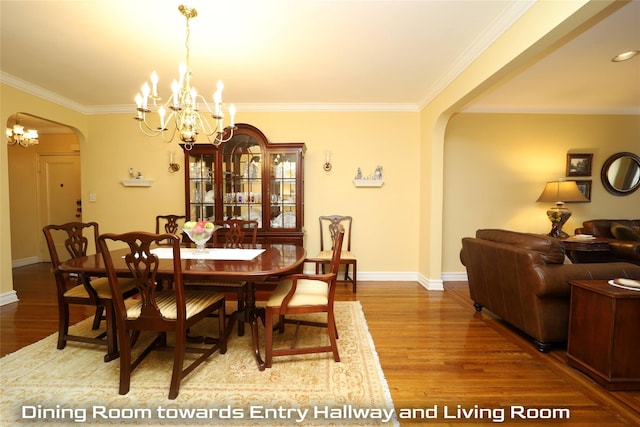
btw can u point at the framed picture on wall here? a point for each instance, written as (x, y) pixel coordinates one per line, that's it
(585, 188)
(579, 164)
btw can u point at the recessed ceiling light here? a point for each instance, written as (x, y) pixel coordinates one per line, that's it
(625, 56)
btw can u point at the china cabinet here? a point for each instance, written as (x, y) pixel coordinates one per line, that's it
(248, 178)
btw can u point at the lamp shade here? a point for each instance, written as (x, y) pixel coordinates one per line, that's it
(561, 191)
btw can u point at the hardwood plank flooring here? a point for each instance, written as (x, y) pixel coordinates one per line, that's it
(435, 351)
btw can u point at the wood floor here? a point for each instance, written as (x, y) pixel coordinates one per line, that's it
(435, 350)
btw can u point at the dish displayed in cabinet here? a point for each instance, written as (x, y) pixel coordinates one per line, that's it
(284, 220)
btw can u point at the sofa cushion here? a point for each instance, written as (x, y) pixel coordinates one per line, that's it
(623, 232)
(551, 249)
(602, 227)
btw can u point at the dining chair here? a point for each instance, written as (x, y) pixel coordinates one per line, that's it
(169, 224)
(161, 311)
(81, 289)
(238, 233)
(301, 294)
(347, 258)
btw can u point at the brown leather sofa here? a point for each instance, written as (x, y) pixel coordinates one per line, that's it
(523, 279)
(624, 235)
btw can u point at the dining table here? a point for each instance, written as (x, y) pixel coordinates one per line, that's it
(266, 263)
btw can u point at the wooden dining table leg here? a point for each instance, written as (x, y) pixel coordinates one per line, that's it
(252, 313)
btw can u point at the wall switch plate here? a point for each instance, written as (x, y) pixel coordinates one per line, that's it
(92, 197)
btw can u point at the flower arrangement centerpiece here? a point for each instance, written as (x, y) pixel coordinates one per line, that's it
(199, 232)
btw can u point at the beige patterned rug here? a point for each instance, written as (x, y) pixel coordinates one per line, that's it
(74, 386)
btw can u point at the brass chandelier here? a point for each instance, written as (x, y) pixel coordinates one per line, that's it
(184, 117)
(17, 135)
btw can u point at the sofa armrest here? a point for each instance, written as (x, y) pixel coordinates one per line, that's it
(625, 249)
(557, 277)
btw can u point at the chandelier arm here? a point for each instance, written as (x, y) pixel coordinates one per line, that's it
(206, 127)
(146, 129)
(173, 134)
(204, 101)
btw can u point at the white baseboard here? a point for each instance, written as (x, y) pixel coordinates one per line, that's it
(430, 284)
(455, 277)
(24, 261)
(408, 276)
(8, 298)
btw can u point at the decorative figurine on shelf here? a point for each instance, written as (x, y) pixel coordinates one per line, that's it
(359, 174)
(378, 173)
(133, 175)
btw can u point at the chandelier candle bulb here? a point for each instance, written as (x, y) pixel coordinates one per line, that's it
(154, 84)
(175, 90)
(145, 95)
(161, 113)
(232, 113)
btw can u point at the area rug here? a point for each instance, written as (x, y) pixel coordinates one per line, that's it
(72, 386)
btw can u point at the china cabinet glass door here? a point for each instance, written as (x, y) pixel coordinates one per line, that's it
(242, 179)
(283, 189)
(201, 187)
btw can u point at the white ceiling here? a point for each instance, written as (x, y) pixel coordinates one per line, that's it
(390, 55)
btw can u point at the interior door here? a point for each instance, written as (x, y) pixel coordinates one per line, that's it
(59, 190)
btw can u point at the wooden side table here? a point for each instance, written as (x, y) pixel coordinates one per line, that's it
(603, 333)
(585, 250)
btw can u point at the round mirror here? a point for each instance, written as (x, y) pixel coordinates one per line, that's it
(621, 174)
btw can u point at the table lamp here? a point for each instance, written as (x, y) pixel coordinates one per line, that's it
(559, 192)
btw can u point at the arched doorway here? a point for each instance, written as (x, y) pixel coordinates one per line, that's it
(44, 186)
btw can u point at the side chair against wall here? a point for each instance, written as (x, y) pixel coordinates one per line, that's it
(170, 310)
(81, 289)
(301, 294)
(347, 258)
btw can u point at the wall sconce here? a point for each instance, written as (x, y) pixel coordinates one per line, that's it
(173, 167)
(327, 161)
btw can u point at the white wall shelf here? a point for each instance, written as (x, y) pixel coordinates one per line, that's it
(137, 182)
(368, 182)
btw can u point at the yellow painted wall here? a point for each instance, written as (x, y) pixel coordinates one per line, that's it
(354, 139)
(496, 166)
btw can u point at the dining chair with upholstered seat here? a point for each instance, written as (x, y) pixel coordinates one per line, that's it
(161, 311)
(302, 294)
(347, 258)
(81, 289)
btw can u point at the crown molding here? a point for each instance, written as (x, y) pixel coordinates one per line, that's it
(490, 109)
(40, 92)
(284, 107)
(501, 24)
